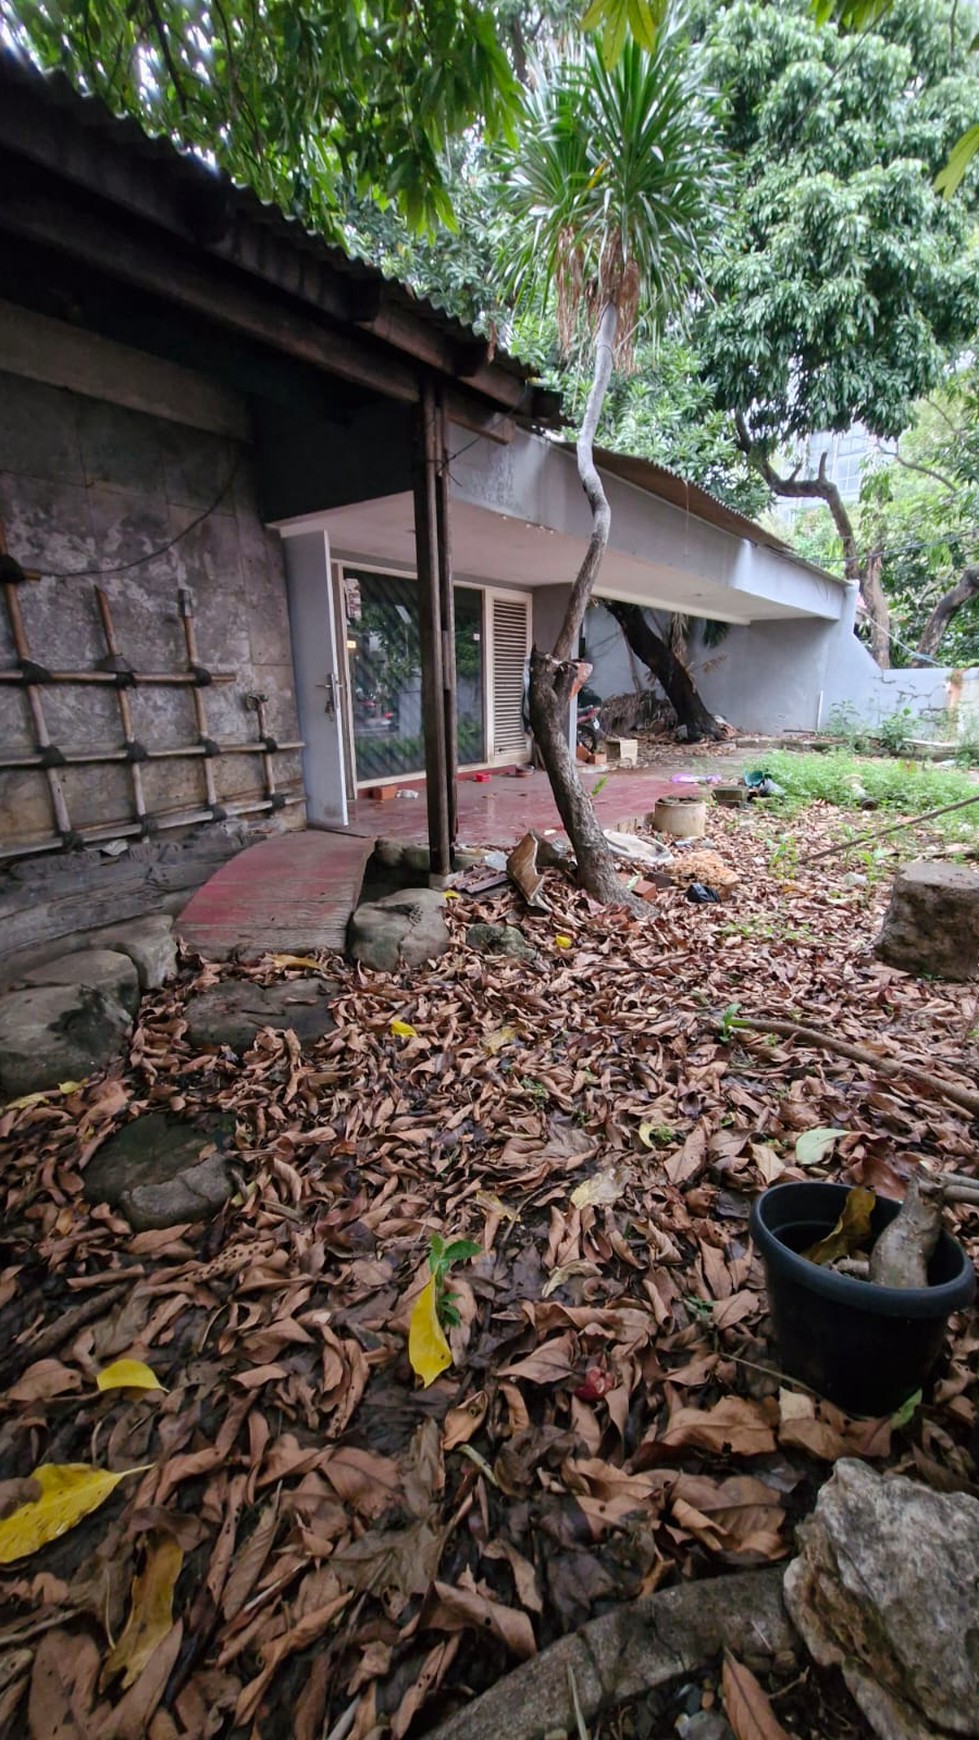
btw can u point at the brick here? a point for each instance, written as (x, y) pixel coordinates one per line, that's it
(380, 793)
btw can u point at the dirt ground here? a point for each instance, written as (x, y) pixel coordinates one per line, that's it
(322, 1547)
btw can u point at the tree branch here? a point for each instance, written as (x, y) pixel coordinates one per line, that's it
(948, 606)
(866, 574)
(925, 470)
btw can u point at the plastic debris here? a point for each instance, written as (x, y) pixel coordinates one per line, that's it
(701, 895)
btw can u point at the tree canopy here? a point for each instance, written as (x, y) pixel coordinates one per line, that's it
(306, 101)
(844, 282)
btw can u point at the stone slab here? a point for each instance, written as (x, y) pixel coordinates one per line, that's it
(161, 1170)
(233, 1012)
(55, 1033)
(103, 969)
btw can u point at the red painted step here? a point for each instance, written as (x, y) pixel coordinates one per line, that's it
(289, 895)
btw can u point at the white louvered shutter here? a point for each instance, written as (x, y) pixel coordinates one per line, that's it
(511, 646)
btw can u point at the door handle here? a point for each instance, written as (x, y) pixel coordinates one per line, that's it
(331, 702)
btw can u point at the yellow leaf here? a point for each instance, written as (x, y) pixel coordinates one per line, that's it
(428, 1349)
(150, 1611)
(296, 961)
(605, 1187)
(493, 1204)
(562, 941)
(646, 1136)
(128, 1374)
(69, 1492)
(495, 1041)
(450, 894)
(850, 1232)
(63, 1087)
(403, 1030)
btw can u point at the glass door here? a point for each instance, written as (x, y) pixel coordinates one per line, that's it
(383, 633)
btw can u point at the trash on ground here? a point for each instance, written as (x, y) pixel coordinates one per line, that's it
(701, 895)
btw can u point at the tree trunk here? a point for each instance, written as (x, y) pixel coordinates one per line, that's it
(947, 607)
(668, 671)
(866, 574)
(878, 615)
(552, 676)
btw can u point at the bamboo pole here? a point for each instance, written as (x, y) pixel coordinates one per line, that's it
(120, 669)
(895, 827)
(185, 604)
(59, 803)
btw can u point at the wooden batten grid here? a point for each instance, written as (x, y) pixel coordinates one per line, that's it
(114, 670)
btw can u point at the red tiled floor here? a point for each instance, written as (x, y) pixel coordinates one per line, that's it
(501, 811)
(297, 891)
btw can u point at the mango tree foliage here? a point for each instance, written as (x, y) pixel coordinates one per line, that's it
(844, 282)
(861, 15)
(302, 100)
(920, 511)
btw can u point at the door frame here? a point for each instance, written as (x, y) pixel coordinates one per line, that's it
(317, 671)
(355, 785)
(506, 595)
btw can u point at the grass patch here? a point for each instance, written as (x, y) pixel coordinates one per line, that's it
(906, 788)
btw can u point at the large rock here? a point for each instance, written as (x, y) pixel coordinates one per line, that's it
(56, 1033)
(501, 939)
(232, 1013)
(151, 946)
(887, 1588)
(403, 929)
(932, 923)
(162, 1171)
(101, 969)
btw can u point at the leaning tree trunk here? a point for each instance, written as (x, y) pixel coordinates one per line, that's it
(878, 614)
(947, 607)
(552, 677)
(673, 676)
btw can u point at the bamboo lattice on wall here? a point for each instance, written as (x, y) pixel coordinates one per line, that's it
(50, 759)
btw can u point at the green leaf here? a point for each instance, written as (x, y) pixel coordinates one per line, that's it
(643, 24)
(906, 1412)
(461, 1251)
(948, 179)
(813, 1145)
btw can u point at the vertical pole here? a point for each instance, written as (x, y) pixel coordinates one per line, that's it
(425, 478)
(447, 601)
(115, 662)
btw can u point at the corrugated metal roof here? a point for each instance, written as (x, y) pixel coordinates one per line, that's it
(54, 91)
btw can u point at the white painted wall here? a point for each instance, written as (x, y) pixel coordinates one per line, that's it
(789, 675)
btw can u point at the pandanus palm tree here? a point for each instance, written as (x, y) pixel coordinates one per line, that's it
(614, 189)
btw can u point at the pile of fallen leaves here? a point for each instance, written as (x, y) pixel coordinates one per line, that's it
(308, 1542)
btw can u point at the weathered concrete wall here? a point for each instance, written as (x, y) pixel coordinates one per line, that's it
(87, 484)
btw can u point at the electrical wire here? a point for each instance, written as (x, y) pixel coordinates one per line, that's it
(151, 556)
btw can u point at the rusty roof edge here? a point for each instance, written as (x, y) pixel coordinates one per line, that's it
(54, 90)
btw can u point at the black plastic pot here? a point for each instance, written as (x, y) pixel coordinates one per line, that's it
(864, 1347)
